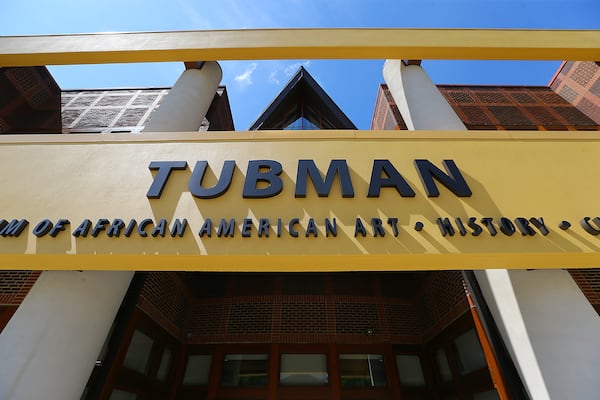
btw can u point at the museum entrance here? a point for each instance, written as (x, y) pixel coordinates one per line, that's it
(403, 335)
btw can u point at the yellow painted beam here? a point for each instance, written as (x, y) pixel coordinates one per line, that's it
(551, 175)
(308, 136)
(264, 44)
(297, 263)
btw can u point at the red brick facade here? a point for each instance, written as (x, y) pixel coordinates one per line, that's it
(496, 108)
(578, 82)
(29, 101)
(317, 308)
(386, 115)
(514, 108)
(163, 299)
(588, 281)
(14, 286)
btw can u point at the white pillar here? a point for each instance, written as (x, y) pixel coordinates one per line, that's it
(187, 103)
(549, 327)
(551, 330)
(49, 347)
(419, 101)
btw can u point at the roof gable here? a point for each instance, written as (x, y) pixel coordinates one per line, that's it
(302, 104)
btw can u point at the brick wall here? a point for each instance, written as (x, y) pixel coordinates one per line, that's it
(163, 298)
(514, 107)
(386, 115)
(352, 308)
(404, 319)
(588, 281)
(578, 82)
(103, 111)
(304, 316)
(497, 108)
(325, 308)
(443, 300)
(127, 110)
(29, 101)
(14, 286)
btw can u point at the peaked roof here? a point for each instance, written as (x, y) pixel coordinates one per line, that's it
(302, 88)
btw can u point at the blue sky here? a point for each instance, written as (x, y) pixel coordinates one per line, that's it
(253, 84)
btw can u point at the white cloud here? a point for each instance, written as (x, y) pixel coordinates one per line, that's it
(292, 68)
(198, 19)
(245, 78)
(273, 78)
(286, 70)
(226, 14)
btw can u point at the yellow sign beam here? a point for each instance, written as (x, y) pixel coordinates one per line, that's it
(265, 44)
(297, 263)
(85, 201)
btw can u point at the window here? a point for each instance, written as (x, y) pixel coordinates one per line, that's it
(197, 369)
(442, 365)
(244, 370)
(122, 395)
(487, 395)
(470, 355)
(138, 354)
(304, 116)
(410, 370)
(303, 370)
(362, 370)
(301, 123)
(165, 365)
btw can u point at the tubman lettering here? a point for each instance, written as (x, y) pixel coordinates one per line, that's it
(263, 179)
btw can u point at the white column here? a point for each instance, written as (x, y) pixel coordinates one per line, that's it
(187, 103)
(419, 101)
(49, 347)
(551, 330)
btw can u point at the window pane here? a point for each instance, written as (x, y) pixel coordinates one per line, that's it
(362, 370)
(443, 366)
(301, 123)
(122, 395)
(138, 354)
(470, 355)
(165, 366)
(303, 370)
(489, 395)
(197, 369)
(410, 370)
(244, 370)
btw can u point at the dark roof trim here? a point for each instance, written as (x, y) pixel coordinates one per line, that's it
(302, 76)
